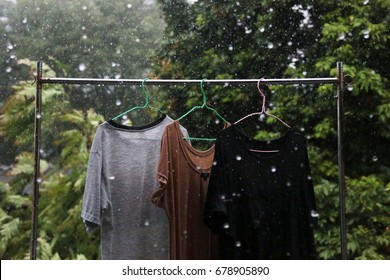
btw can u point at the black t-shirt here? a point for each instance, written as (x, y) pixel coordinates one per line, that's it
(262, 204)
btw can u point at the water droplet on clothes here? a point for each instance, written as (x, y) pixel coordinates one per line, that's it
(314, 214)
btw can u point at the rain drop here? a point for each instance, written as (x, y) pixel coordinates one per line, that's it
(273, 169)
(84, 8)
(262, 29)
(147, 223)
(314, 214)
(8, 69)
(238, 244)
(270, 45)
(118, 102)
(230, 48)
(248, 31)
(366, 34)
(288, 184)
(214, 162)
(366, 2)
(238, 157)
(309, 177)
(39, 180)
(24, 20)
(38, 116)
(129, 6)
(217, 121)
(198, 168)
(82, 67)
(226, 225)
(350, 88)
(262, 117)
(111, 178)
(375, 158)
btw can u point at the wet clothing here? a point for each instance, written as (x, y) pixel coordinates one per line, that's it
(261, 204)
(183, 174)
(121, 178)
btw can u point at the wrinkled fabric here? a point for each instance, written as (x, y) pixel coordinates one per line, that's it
(121, 178)
(261, 204)
(183, 174)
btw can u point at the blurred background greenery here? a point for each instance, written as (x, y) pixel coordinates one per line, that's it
(244, 39)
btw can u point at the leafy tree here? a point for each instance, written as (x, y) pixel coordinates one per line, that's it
(61, 232)
(253, 39)
(88, 38)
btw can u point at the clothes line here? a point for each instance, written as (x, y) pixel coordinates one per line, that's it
(339, 81)
(87, 81)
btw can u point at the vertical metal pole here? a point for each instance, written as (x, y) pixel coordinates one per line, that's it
(340, 144)
(37, 160)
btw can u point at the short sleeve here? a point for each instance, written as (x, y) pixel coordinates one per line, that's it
(216, 215)
(162, 171)
(95, 197)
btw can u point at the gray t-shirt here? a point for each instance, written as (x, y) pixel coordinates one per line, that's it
(121, 179)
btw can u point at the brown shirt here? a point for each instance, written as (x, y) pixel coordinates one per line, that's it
(183, 174)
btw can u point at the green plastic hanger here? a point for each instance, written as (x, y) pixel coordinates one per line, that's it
(146, 105)
(204, 105)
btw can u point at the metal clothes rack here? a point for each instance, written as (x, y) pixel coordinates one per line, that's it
(340, 81)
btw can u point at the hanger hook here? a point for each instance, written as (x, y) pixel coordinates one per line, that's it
(203, 92)
(144, 91)
(262, 95)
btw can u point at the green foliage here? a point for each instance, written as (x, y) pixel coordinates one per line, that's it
(253, 39)
(76, 38)
(207, 39)
(61, 232)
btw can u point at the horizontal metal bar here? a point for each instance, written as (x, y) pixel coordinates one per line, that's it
(96, 81)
